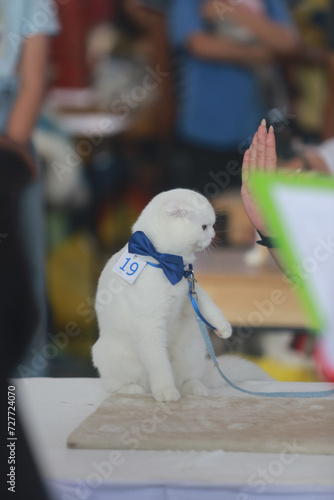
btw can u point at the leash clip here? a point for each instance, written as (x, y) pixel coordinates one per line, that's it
(191, 278)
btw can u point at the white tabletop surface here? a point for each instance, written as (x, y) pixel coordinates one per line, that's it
(52, 407)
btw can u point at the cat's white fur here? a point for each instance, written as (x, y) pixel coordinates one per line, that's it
(149, 339)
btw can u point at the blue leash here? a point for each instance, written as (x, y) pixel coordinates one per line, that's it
(202, 322)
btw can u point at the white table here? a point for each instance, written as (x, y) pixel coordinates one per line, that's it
(51, 408)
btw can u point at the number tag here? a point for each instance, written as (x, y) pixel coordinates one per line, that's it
(129, 267)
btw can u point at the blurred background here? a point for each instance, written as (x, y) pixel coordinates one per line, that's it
(143, 96)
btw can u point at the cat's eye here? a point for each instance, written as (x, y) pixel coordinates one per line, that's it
(204, 227)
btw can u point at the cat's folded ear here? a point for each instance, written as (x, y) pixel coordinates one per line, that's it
(177, 208)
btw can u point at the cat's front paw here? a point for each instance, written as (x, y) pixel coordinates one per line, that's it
(225, 332)
(167, 394)
(194, 388)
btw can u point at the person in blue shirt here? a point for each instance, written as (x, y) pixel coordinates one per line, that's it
(221, 46)
(25, 26)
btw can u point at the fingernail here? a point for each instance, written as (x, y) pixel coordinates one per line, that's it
(271, 129)
(264, 123)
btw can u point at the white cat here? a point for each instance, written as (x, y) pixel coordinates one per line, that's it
(149, 339)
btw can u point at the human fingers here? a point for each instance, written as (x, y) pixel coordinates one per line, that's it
(245, 166)
(253, 154)
(271, 155)
(261, 145)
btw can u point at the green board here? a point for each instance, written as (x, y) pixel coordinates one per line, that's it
(299, 212)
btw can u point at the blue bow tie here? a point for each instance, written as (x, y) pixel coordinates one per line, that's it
(172, 265)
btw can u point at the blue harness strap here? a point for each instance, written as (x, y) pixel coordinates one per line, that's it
(154, 265)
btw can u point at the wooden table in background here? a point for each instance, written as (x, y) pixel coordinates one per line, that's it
(256, 296)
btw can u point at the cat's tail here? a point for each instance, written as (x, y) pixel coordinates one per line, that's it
(237, 369)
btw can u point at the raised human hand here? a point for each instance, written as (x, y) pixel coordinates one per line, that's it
(261, 156)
